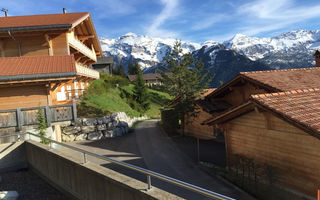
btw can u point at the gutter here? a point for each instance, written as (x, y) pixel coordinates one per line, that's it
(59, 26)
(36, 76)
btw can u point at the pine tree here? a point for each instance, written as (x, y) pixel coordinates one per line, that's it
(185, 80)
(131, 69)
(121, 71)
(41, 125)
(140, 92)
(136, 68)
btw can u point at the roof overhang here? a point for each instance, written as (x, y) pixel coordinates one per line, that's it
(252, 105)
(240, 78)
(35, 28)
(36, 76)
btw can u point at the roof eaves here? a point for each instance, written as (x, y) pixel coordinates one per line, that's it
(295, 122)
(37, 76)
(212, 120)
(24, 28)
(81, 19)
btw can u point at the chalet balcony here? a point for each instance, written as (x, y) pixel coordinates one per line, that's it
(85, 71)
(82, 48)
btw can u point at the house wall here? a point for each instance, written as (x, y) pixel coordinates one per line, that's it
(67, 91)
(60, 45)
(196, 129)
(240, 94)
(293, 153)
(23, 96)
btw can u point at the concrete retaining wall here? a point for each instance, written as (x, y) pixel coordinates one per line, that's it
(12, 156)
(87, 181)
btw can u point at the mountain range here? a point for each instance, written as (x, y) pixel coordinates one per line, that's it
(223, 60)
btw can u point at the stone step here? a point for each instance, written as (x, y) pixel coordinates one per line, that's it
(9, 195)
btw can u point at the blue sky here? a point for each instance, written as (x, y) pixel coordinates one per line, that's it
(190, 20)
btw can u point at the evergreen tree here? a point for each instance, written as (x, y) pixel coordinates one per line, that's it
(140, 92)
(136, 68)
(185, 80)
(41, 125)
(121, 71)
(131, 69)
(115, 71)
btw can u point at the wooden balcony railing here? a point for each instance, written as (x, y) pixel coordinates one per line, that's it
(79, 46)
(85, 71)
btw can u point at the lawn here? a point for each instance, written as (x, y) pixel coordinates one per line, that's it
(105, 100)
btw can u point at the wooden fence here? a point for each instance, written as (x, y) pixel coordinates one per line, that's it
(28, 116)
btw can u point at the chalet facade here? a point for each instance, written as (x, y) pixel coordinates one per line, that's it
(150, 79)
(238, 91)
(46, 59)
(279, 129)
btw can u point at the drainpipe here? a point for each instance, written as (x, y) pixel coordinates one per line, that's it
(18, 42)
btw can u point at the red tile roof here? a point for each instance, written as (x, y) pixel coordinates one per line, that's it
(301, 106)
(71, 19)
(288, 79)
(27, 65)
(207, 92)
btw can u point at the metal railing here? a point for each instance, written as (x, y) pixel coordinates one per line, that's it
(147, 172)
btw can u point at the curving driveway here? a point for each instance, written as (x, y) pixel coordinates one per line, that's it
(150, 148)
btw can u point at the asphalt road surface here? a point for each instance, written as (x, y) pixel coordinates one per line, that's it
(149, 147)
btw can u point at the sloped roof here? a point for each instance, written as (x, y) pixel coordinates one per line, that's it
(302, 106)
(288, 79)
(67, 20)
(278, 80)
(12, 68)
(298, 107)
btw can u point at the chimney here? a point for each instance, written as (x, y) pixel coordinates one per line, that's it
(317, 58)
(5, 12)
(64, 10)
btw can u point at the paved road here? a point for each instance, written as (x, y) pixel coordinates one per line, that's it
(150, 148)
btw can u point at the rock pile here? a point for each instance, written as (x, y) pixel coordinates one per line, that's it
(114, 125)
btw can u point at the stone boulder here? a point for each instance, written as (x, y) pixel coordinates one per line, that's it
(95, 135)
(117, 132)
(102, 127)
(80, 137)
(67, 138)
(88, 129)
(89, 121)
(108, 134)
(71, 130)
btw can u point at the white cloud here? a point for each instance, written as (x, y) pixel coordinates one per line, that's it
(208, 22)
(268, 15)
(169, 11)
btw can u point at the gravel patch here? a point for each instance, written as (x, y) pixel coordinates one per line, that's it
(30, 186)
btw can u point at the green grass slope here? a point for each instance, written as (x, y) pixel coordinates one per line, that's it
(103, 98)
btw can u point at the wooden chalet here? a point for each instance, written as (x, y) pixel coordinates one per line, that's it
(194, 126)
(238, 91)
(279, 129)
(46, 59)
(150, 79)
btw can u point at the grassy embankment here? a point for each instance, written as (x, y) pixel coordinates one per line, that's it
(103, 98)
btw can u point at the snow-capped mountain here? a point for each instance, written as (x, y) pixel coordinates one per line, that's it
(224, 60)
(145, 50)
(288, 50)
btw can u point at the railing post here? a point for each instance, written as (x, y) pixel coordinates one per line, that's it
(19, 119)
(149, 182)
(84, 158)
(48, 115)
(74, 109)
